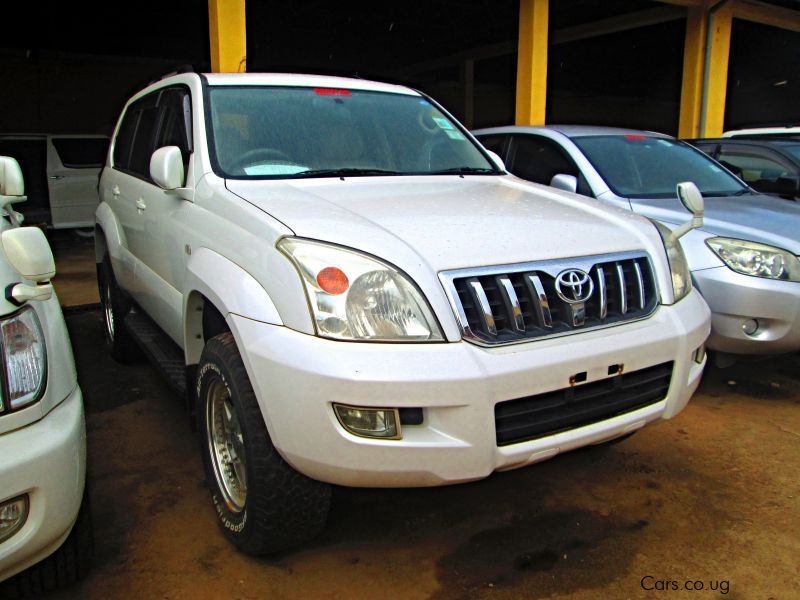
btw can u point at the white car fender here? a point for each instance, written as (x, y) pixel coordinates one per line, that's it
(229, 288)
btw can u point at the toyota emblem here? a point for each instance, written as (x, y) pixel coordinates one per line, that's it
(574, 286)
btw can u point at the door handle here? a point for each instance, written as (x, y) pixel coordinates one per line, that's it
(140, 205)
(56, 177)
(115, 190)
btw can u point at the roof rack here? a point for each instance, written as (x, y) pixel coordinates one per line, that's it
(187, 68)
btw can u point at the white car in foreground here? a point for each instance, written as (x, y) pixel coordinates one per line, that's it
(45, 527)
(358, 294)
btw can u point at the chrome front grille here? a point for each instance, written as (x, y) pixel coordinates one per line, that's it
(515, 303)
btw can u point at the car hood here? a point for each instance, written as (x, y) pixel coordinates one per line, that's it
(448, 222)
(752, 217)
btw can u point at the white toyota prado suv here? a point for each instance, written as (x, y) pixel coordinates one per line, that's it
(349, 289)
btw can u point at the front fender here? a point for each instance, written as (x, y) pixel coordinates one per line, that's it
(231, 289)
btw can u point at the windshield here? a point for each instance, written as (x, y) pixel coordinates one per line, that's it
(640, 166)
(282, 132)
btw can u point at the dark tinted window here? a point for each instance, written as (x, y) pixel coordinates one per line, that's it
(81, 153)
(124, 139)
(539, 159)
(176, 122)
(139, 124)
(497, 143)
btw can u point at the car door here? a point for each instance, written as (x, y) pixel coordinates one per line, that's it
(121, 187)
(162, 213)
(73, 164)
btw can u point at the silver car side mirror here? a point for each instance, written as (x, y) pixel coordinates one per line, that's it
(692, 200)
(562, 181)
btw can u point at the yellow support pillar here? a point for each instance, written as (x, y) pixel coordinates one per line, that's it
(694, 59)
(716, 71)
(227, 29)
(532, 62)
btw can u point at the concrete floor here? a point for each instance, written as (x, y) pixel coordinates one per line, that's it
(711, 496)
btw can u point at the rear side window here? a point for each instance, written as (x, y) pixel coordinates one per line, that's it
(81, 153)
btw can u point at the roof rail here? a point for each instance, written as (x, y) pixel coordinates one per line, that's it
(187, 68)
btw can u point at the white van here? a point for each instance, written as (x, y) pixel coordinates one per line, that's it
(61, 176)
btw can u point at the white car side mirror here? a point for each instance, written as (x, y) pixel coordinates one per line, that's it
(27, 250)
(11, 182)
(562, 181)
(166, 168)
(692, 199)
(497, 160)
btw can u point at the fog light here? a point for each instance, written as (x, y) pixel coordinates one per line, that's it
(369, 422)
(700, 354)
(750, 326)
(12, 516)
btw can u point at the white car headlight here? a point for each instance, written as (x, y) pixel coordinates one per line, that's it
(354, 296)
(678, 267)
(758, 260)
(24, 359)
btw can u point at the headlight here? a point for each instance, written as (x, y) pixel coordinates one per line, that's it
(24, 359)
(758, 260)
(679, 269)
(354, 296)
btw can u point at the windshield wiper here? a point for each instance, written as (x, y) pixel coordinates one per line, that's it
(344, 171)
(465, 171)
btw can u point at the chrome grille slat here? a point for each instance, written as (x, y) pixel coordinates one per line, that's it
(623, 290)
(479, 295)
(513, 306)
(510, 304)
(540, 301)
(639, 283)
(601, 289)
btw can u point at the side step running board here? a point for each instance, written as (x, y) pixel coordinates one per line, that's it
(165, 354)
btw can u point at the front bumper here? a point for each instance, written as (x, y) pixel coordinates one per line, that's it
(735, 299)
(47, 461)
(297, 377)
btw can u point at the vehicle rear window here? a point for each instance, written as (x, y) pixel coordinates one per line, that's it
(81, 153)
(642, 166)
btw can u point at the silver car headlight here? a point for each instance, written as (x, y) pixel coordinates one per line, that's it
(678, 267)
(24, 359)
(354, 296)
(758, 260)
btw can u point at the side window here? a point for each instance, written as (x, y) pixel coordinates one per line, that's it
(497, 143)
(175, 122)
(134, 142)
(81, 153)
(124, 139)
(759, 170)
(539, 159)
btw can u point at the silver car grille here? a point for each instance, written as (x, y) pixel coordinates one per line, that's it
(516, 303)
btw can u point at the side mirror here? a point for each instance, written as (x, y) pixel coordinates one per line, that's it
(27, 250)
(692, 200)
(11, 182)
(497, 160)
(787, 186)
(166, 168)
(562, 181)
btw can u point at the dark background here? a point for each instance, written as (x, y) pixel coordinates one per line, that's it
(69, 67)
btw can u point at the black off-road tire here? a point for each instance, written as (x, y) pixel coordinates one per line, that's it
(115, 305)
(65, 567)
(282, 508)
